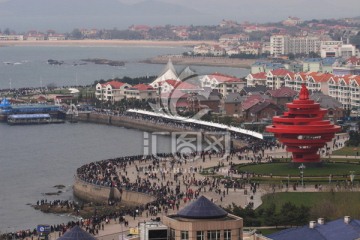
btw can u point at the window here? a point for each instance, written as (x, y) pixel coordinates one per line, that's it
(172, 234)
(184, 235)
(200, 235)
(227, 234)
(213, 235)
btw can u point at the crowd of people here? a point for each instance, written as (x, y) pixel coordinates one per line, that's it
(169, 177)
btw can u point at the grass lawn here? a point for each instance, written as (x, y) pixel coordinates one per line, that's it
(350, 151)
(329, 205)
(284, 169)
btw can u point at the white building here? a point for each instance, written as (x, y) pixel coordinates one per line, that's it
(224, 84)
(336, 49)
(111, 91)
(284, 44)
(279, 45)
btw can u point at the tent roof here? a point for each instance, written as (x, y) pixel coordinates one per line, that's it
(76, 233)
(202, 208)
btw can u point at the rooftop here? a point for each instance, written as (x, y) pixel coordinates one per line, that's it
(202, 208)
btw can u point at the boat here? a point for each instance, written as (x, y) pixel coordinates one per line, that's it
(25, 119)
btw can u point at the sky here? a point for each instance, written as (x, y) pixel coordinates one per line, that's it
(22, 15)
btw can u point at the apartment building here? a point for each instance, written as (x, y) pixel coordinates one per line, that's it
(284, 44)
(345, 89)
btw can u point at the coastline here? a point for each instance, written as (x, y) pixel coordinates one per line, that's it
(92, 42)
(202, 61)
(177, 59)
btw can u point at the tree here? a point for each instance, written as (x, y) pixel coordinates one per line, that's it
(76, 34)
(7, 31)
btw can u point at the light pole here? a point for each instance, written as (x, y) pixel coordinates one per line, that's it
(302, 167)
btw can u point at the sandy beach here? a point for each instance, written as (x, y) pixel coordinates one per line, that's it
(91, 42)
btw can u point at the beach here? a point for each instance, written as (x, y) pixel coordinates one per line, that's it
(92, 42)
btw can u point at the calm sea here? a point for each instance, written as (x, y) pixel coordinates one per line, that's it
(33, 159)
(26, 66)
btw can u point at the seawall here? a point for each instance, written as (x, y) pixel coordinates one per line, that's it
(124, 122)
(100, 194)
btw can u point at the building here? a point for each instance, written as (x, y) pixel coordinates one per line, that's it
(281, 96)
(111, 91)
(292, 21)
(11, 37)
(202, 219)
(344, 229)
(336, 49)
(224, 84)
(276, 79)
(279, 45)
(234, 38)
(256, 79)
(141, 92)
(261, 111)
(335, 109)
(284, 44)
(169, 72)
(231, 104)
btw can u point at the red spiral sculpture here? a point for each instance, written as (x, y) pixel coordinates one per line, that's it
(302, 129)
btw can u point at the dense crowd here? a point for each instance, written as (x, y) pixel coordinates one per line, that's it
(169, 177)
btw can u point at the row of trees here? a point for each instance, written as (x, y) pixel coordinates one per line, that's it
(288, 215)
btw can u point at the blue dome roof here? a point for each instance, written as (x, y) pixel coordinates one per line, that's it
(202, 208)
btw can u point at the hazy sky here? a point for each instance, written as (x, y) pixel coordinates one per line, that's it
(266, 10)
(62, 15)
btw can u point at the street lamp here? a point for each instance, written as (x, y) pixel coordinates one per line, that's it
(302, 167)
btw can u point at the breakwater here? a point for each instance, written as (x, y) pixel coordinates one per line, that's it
(202, 61)
(101, 194)
(123, 121)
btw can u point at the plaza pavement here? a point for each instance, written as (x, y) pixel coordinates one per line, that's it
(113, 228)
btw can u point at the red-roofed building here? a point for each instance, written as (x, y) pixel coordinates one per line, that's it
(111, 91)
(141, 92)
(224, 84)
(354, 61)
(256, 79)
(282, 96)
(276, 78)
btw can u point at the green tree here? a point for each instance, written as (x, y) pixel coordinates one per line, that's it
(76, 34)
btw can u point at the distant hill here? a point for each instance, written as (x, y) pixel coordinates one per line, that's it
(64, 15)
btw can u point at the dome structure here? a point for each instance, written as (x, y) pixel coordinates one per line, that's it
(76, 233)
(202, 208)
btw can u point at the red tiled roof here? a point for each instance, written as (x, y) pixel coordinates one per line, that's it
(320, 77)
(224, 78)
(251, 101)
(142, 87)
(280, 72)
(186, 85)
(354, 60)
(260, 75)
(172, 82)
(282, 92)
(114, 84)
